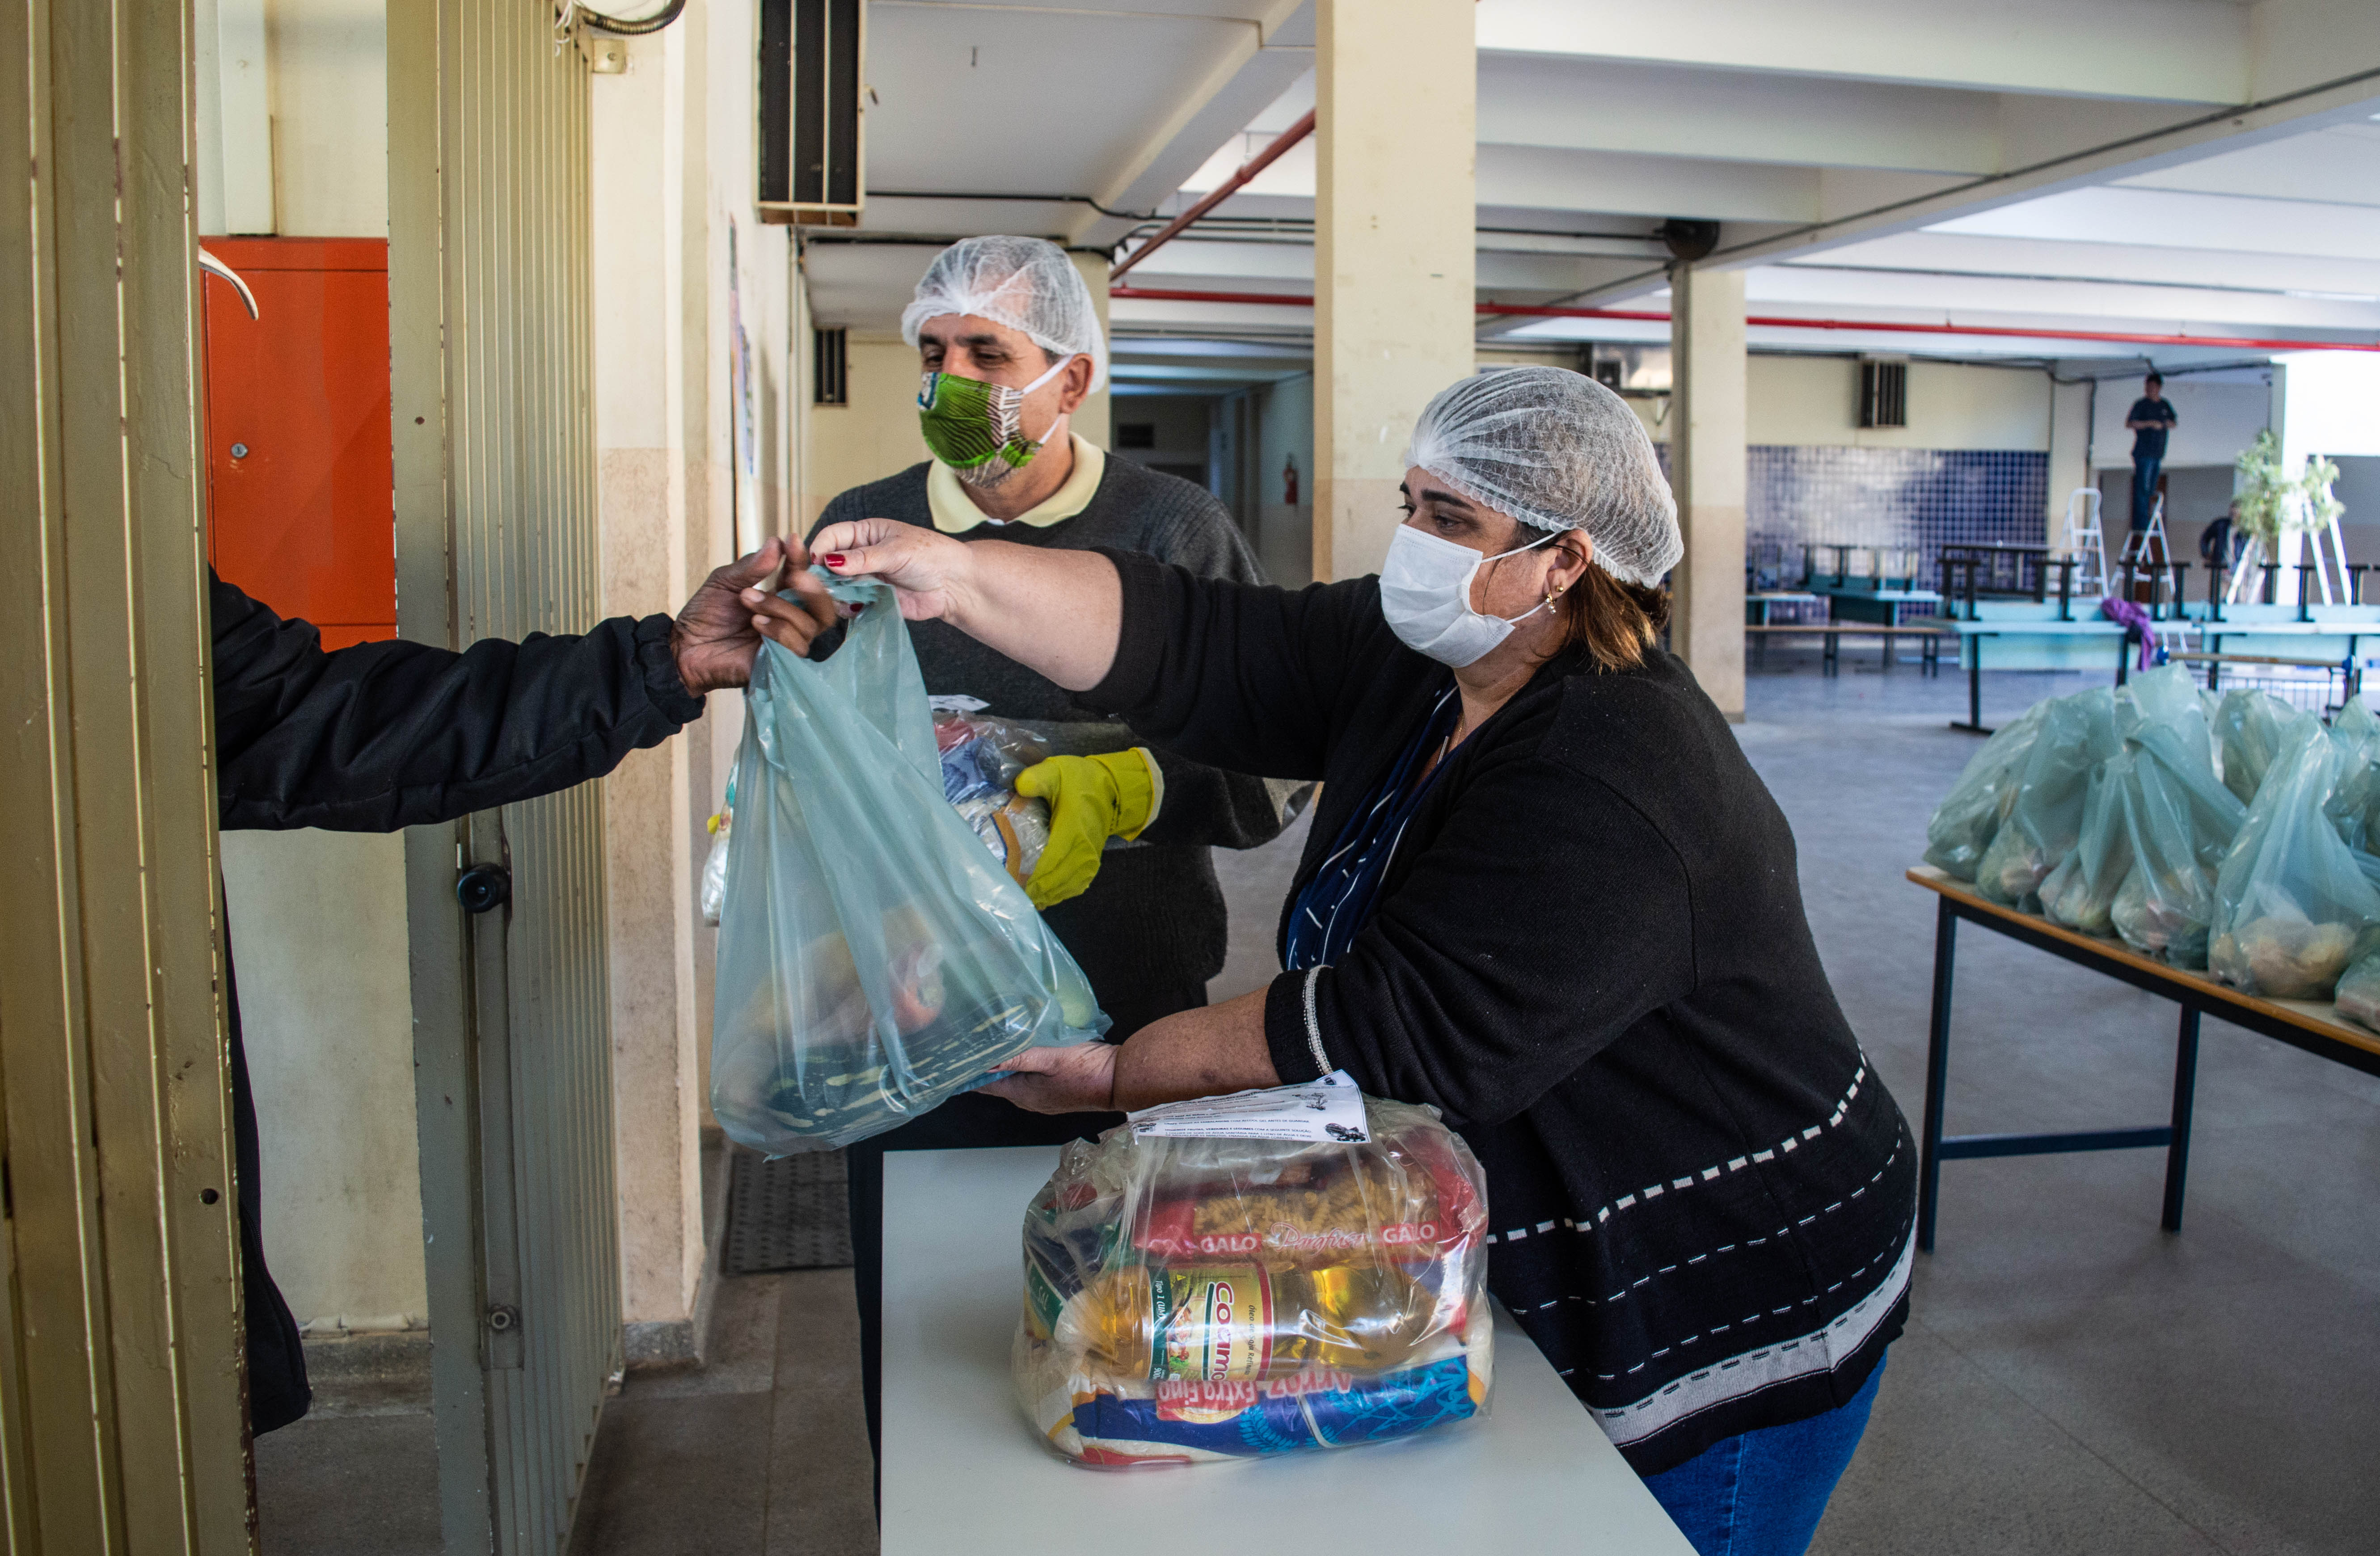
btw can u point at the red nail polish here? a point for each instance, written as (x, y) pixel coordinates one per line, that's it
(833, 559)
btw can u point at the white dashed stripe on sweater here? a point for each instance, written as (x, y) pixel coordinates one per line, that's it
(1749, 1372)
(1702, 1175)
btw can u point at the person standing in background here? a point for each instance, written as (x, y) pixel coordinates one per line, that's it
(2150, 418)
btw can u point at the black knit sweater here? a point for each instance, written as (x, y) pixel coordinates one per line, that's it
(1590, 951)
(1154, 915)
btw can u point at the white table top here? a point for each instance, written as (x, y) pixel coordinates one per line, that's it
(963, 1470)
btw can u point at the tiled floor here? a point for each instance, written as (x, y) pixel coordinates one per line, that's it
(2073, 1379)
(760, 1452)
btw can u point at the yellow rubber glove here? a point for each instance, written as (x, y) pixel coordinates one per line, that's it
(1091, 799)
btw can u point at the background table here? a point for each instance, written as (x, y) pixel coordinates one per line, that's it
(964, 1472)
(2317, 1029)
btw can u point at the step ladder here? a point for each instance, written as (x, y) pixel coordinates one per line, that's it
(2147, 545)
(2083, 541)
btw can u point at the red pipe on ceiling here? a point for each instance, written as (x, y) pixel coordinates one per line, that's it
(1533, 310)
(1220, 193)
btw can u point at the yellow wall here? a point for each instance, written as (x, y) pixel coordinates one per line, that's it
(1814, 401)
(873, 437)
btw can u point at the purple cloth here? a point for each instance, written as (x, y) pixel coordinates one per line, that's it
(2134, 615)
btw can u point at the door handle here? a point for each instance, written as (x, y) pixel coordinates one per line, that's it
(484, 887)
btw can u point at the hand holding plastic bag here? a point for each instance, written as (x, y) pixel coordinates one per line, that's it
(873, 959)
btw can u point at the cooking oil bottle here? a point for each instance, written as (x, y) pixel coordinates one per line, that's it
(1226, 1322)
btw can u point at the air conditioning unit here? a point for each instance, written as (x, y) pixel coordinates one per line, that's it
(812, 158)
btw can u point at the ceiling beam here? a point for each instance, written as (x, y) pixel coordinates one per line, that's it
(1603, 106)
(2349, 99)
(2171, 51)
(1266, 63)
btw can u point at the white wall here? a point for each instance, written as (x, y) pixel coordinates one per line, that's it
(318, 929)
(330, 118)
(2215, 421)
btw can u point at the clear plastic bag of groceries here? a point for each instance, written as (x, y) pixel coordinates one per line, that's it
(2251, 726)
(2045, 820)
(2359, 988)
(980, 759)
(2181, 822)
(873, 959)
(2291, 903)
(1968, 819)
(1196, 1288)
(2354, 804)
(2081, 892)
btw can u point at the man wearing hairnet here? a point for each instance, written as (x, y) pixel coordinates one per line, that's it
(1545, 894)
(1010, 345)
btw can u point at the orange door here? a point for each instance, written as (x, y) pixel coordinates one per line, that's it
(300, 474)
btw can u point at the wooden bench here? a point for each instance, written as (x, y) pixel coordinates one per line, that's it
(1830, 661)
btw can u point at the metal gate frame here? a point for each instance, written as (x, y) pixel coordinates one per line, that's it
(492, 385)
(122, 1390)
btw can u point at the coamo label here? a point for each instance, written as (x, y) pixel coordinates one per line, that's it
(1211, 1324)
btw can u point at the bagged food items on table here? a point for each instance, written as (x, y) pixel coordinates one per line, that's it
(1299, 1268)
(2081, 892)
(2354, 804)
(873, 959)
(2359, 989)
(1970, 815)
(981, 759)
(2181, 822)
(2250, 726)
(2290, 901)
(2045, 819)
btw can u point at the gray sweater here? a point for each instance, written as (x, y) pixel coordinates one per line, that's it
(1153, 920)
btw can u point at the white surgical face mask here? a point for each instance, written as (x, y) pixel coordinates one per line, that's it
(1426, 595)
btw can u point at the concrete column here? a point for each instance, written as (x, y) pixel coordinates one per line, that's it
(2069, 451)
(1395, 101)
(658, 473)
(1092, 418)
(1707, 470)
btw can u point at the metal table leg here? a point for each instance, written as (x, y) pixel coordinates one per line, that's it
(2185, 1089)
(1973, 652)
(1938, 1066)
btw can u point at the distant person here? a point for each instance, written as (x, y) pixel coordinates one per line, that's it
(2150, 418)
(2221, 542)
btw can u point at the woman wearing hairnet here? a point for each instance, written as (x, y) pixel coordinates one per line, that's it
(1546, 893)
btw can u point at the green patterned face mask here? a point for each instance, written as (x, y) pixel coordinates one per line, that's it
(976, 427)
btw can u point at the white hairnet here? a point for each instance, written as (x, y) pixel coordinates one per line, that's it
(1557, 450)
(1024, 283)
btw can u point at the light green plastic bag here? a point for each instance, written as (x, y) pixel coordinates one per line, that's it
(874, 959)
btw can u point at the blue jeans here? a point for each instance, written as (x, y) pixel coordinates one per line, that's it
(2144, 480)
(1762, 1493)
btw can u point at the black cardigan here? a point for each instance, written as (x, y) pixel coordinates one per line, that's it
(1590, 953)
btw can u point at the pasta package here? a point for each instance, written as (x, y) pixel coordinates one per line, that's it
(1293, 1269)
